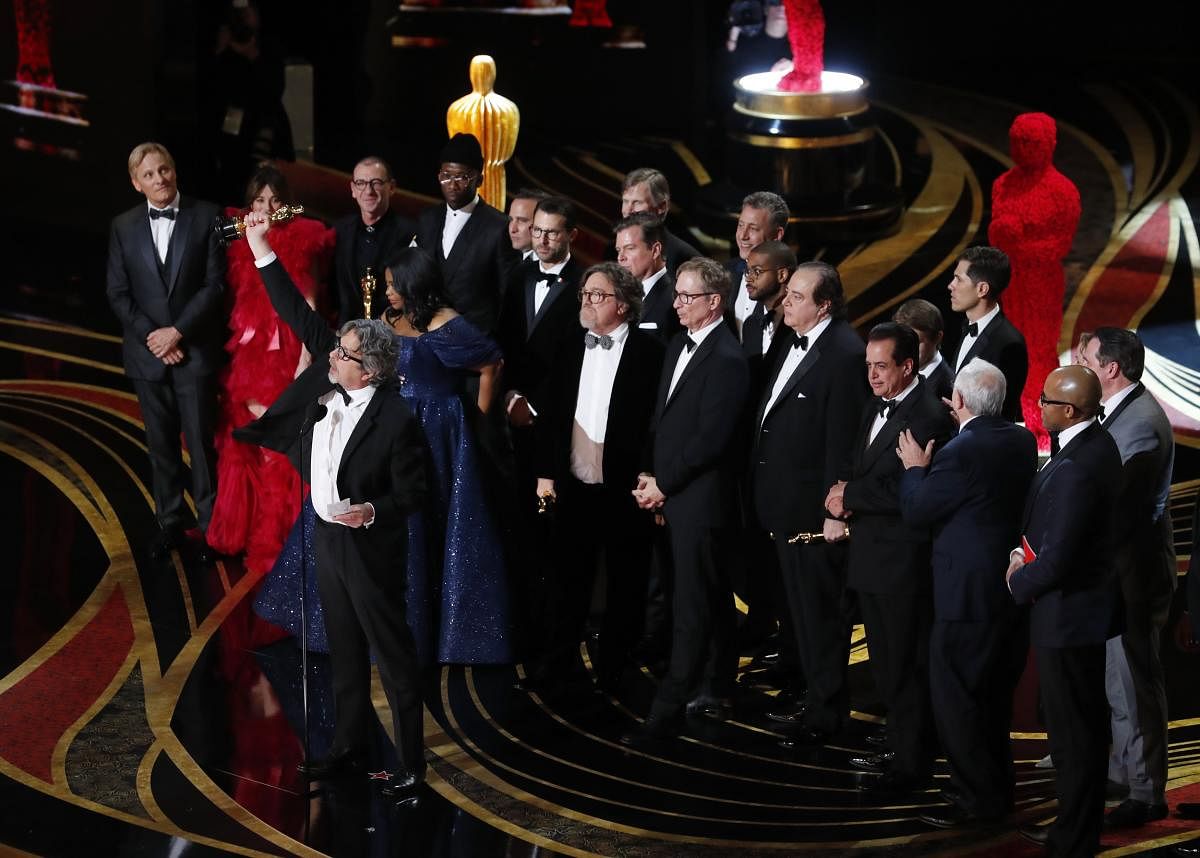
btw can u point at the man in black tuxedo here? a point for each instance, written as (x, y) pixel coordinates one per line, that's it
(889, 562)
(165, 283)
(521, 207)
(926, 319)
(1146, 570)
(1069, 576)
(369, 239)
(971, 493)
(804, 428)
(769, 266)
(764, 217)
(538, 320)
(468, 237)
(590, 435)
(639, 241)
(697, 410)
(980, 276)
(646, 190)
(351, 436)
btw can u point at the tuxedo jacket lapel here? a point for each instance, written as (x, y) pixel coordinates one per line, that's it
(144, 237)
(463, 245)
(885, 441)
(363, 428)
(179, 242)
(556, 288)
(806, 363)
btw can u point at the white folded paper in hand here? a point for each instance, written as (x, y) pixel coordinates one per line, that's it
(338, 508)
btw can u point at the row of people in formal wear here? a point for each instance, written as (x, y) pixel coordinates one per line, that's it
(659, 417)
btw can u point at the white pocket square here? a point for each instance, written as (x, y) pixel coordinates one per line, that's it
(801, 396)
(649, 326)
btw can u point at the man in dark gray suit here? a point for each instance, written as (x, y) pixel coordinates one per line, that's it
(165, 282)
(1145, 569)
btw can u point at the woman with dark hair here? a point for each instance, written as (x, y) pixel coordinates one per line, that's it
(257, 489)
(457, 595)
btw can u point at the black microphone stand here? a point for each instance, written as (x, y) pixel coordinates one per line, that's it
(318, 413)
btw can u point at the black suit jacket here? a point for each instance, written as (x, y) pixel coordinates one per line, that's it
(695, 430)
(805, 439)
(676, 251)
(1002, 345)
(972, 497)
(1069, 521)
(630, 410)
(384, 460)
(941, 380)
(186, 292)
(393, 233)
(530, 341)
(761, 362)
(474, 275)
(888, 554)
(658, 310)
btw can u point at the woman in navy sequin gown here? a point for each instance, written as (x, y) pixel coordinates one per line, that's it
(458, 595)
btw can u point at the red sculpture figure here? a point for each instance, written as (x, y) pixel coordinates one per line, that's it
(33, 43)
(590, 13)
(1035, 210)
(806, 33)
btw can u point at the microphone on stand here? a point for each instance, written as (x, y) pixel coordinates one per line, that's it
(317, 414)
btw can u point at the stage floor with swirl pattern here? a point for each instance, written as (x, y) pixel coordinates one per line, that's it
(143, 713)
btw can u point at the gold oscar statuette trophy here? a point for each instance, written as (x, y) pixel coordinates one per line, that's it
(367, 284)
(493, 120)
(229, 229)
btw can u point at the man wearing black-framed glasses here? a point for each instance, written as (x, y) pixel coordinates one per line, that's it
(368, 238)
(468, 237)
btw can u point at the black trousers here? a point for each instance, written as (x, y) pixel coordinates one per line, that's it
(180, 404)
(974, 668)
(365, 613)
(814, 578)
(1071, 680)
(703, 657)
(897, 626)
(597, 523)
(660, 588)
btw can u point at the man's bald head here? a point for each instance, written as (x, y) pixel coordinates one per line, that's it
(1071, 395)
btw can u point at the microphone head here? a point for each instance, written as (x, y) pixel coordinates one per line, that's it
(319, 413)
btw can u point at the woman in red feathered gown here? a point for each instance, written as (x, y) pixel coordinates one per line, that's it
(257, 489)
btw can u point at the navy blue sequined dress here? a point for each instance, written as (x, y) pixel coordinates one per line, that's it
(458, 598)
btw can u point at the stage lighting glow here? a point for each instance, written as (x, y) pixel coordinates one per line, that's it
(831, 81)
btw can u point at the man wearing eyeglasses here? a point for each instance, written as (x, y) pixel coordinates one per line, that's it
(764, 217)
(1068, 575)
(692, 480)
(804, 428)
(368, 239)
(468, 237)
(537, 321)
(351, 436)
(595, 417)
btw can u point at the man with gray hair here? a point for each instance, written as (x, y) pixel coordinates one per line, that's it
(1146, 565)
(646, 190)
(972, 494)
(764, 217)
(351, 436)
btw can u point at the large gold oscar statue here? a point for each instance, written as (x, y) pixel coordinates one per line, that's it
(493, 120)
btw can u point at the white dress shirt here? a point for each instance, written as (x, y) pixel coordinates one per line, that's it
(896, 400)
(969, 341)
(456, 219)
(547, 276)
(162, 228)
(685, 355)
(743, 305)
(330, 435)
(596, 379)
(791, 360)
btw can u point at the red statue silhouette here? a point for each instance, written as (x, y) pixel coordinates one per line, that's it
(1035, 210)
(806, 33)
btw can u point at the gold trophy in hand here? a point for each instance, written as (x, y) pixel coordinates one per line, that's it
(230, 229)
(367, 285)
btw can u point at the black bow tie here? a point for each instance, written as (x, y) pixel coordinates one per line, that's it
(690, 345)
(973, 329)
(592, 340)
(1054, 448)
(155, 214)
(801, 341)
(885, 406)
(342, 391)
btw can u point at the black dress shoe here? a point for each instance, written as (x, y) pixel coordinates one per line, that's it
(1114, 791)
(805, 737)
(165, 541)
(1039, 834)
(335, 765)
(653, 729)
(1132, 813)
(952, 795)
(873, 762)
(205, 553)
(402, 785)
(891, 783)
(1188, 810)
(878, 738)
(1186, 850)
(706, 706)
(789, 717)
(953, 816)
